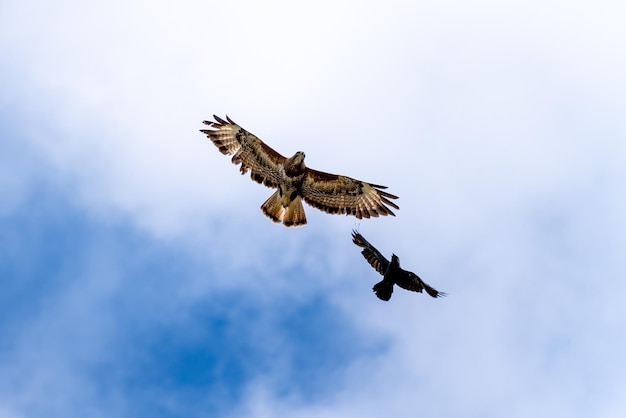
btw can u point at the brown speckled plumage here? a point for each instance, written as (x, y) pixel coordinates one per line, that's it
(295, 182)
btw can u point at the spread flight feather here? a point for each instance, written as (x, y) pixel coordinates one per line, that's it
(295, 182)
(391, 271)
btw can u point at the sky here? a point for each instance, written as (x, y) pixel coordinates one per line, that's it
(140, 278)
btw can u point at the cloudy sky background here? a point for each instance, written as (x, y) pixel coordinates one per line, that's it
(140, 278)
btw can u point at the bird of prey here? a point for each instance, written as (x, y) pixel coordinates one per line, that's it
(331, 193)
(391, 271)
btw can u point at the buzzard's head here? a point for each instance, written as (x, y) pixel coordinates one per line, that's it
(295, 165)
(395, 260)
(298, 157)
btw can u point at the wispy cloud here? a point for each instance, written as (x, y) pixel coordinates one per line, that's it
(140, 278)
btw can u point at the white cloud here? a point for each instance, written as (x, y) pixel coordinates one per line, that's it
(463, 92)
(499, 126)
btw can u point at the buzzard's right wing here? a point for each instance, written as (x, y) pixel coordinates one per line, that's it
(253, 154)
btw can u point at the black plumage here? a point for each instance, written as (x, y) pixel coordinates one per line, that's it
(391, 271)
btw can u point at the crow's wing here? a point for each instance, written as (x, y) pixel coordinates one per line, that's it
(371, 254)
(411, 281)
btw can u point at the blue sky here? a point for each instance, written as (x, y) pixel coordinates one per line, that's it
(140, 277)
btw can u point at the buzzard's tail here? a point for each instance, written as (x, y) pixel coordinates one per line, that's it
(289, 212)
(383, 290)
(294, 214)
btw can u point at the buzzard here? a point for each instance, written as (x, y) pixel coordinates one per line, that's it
(391, 271)
(295, 182)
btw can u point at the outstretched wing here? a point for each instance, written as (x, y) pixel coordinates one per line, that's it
(371, 254)
(253, 154)
(411, 281)
(340, 194)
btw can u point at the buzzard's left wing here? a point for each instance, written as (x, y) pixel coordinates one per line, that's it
(371, 254)
(333, 193)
